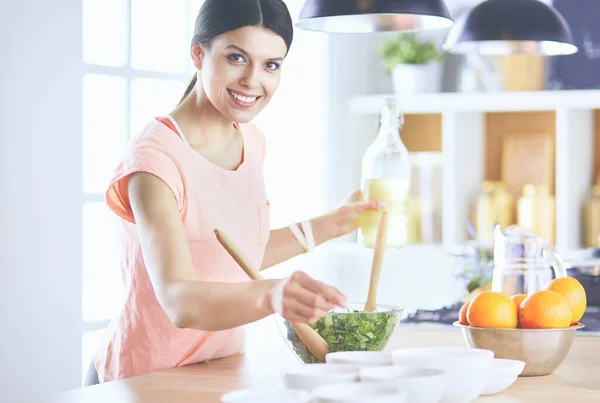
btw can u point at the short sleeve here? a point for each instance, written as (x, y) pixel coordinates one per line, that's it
(143, 159)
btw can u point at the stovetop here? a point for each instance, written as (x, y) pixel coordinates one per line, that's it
(449, 315)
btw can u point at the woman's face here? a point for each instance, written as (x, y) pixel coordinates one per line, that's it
(241, 70)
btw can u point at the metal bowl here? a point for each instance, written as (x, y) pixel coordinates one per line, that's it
(542, 350)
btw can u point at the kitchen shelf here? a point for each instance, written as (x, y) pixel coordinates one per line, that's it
(469, 130)
(422, 132)
(482, 102)
(537, 128)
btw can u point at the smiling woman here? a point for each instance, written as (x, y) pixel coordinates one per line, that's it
(223, 38)
(200, 168)
(240, 70)
(242, 58)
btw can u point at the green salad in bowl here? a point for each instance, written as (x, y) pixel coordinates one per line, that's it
(348, 329)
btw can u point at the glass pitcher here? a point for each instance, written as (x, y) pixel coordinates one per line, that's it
(524, 262)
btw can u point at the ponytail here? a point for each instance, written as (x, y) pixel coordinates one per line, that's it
(189, 88)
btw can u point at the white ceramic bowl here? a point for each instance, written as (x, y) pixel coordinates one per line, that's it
(267, 396)
(468, 369)
(502, 367)
(361, 358)
(504, 373)
(422, 385)
(359, 393)
(310, 376)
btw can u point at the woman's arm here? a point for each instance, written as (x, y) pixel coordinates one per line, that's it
(283, 245)
(190, 303)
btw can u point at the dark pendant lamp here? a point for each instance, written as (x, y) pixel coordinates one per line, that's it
(367, 16)
(504, 27)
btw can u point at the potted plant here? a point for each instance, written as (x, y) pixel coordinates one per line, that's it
(414, 64)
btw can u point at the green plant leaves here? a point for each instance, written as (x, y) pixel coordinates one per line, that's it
(408, 49)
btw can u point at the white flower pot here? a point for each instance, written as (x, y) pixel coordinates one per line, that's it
(417, 78)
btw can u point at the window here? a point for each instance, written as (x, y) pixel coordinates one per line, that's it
(123, 65)
(133, 59)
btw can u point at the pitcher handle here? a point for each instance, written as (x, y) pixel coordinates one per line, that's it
(556, 261)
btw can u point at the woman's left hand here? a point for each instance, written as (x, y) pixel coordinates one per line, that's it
(344, 219)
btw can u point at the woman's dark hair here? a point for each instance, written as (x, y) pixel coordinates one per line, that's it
(217, 17)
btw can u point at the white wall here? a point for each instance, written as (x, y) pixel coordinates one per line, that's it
(40, 197)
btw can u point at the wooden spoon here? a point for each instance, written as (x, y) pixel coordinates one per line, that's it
(311, 339)
(378, 251)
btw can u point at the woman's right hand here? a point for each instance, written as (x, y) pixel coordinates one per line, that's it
(302, 299)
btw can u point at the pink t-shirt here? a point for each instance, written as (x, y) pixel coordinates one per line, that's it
(142, 339)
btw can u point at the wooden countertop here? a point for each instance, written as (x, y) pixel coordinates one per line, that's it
(577, 380)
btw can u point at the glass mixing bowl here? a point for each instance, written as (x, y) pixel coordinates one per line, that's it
(347, 329)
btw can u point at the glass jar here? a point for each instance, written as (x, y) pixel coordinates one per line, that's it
(592, 218)
(484, 212)
(425, 202)
(494, 205)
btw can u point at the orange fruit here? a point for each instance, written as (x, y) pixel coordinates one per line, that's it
(462, 314)
(517, 299)
(545, 309)
(574, 293)
(493, 310)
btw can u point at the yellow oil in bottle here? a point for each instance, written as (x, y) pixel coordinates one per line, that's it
(504, 205)
(395, 193)
(536, 211)
(545, 213)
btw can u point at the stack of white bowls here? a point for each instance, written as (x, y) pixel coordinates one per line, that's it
(409, 375)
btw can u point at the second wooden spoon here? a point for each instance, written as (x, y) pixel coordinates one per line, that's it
(378, 252)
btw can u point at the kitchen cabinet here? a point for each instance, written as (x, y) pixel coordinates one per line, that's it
(473, 131)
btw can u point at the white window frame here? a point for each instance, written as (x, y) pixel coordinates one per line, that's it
(129, 74)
